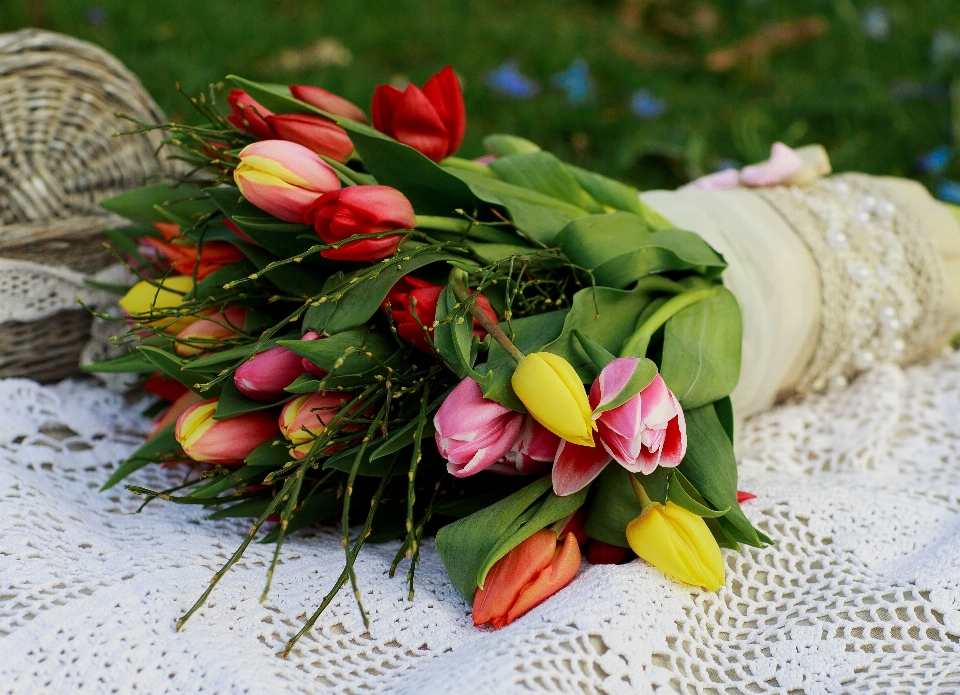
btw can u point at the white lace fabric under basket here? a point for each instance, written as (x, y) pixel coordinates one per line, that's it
(859, 489)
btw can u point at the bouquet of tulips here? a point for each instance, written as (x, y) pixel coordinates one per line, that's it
(345, 322)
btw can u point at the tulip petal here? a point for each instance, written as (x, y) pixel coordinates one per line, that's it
(273, 195)
(385, 100)
(265, 377)
(316, 133)
(600, 553)
(577, 466)
(707, 556)
(553, 393)
(549, 581)
(719, 180)
(328, 101)
(653, 539)
(443, 91)
(510, 574)
(612, 380)
(416, 123)
(292, 163)
(783, 164)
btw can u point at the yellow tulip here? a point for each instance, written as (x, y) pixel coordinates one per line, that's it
(145, 297)
(551, 390)
(678, 543)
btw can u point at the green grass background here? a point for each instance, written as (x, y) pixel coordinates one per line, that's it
(875, 104)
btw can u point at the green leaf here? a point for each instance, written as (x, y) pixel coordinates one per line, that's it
(615, 504)
(529, 334)
(233, 403)
(354, 304)
(617, 195)
(431, 189)
(273, 453)
(711, 468)
(491, 253)
(683, 494)
(598, 354)
(176, 368)
(125, 364)
(667, 250)
(218, 360)
(536, 215)
(605, 316)
(592, 240)
(151, 451)
(550, 510)
(701, 350)
(465, 544)
(543, 172)
(642, 377)
(140, 205)
(349, 348)
(248, 508)
(377, 468)
(724, 408)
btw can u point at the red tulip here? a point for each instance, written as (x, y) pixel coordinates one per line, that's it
(600, 553)
(168, 389)
(316, 133)
(224, 442)
(328, 101)
(526, 577)
(182, 257)
(347, 212)
(203, 334)
(432, 121)
(283, 178)
(249, 115)
(426, 295)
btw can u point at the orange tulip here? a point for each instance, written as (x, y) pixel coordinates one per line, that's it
(182, 257)
(205, 334)
(526, 577)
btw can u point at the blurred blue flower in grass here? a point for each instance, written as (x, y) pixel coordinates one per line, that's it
(944, 47)
(576, 81)
(875, 22)
(934, 161)
(949, 192)
(508, 81)
(97, 16)
(725, 164)
(644, 105)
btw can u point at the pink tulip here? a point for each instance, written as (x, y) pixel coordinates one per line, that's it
(265, 377)
(783, 164)
(316, 133)
(328, 101)
(473, 433)
(224, 442)
(283, 178)
(647, 431)
(531, 454)
(203, 334)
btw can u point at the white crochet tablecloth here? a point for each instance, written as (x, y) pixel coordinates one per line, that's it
(860, 489)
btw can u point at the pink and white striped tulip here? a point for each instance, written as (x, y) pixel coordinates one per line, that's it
(283, 178)
(646, 431)
(223, 442)
(531, 454)
(473, 432)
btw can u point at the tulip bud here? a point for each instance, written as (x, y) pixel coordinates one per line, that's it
(306, 416)
(249, 115)
(525, 577)
(148, 296)
(432, 121)
(328, 101)
(553, 393)
(204, 334)
(268, 373)
(347, 212)
(316, 133)
(283, 178)
(168, 389)
(223, 442)
(410, 291)
(678, 543)
(308, 366)
(473, 432)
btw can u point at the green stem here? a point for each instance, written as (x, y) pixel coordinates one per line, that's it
(642, 497)
(638, 343)
(438, 223)
(458, 280)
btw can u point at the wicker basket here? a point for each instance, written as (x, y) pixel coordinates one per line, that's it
(58, 159)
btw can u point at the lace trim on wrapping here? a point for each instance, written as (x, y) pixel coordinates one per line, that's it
(881, 278)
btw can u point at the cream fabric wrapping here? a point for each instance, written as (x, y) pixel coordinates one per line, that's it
(777, 281)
